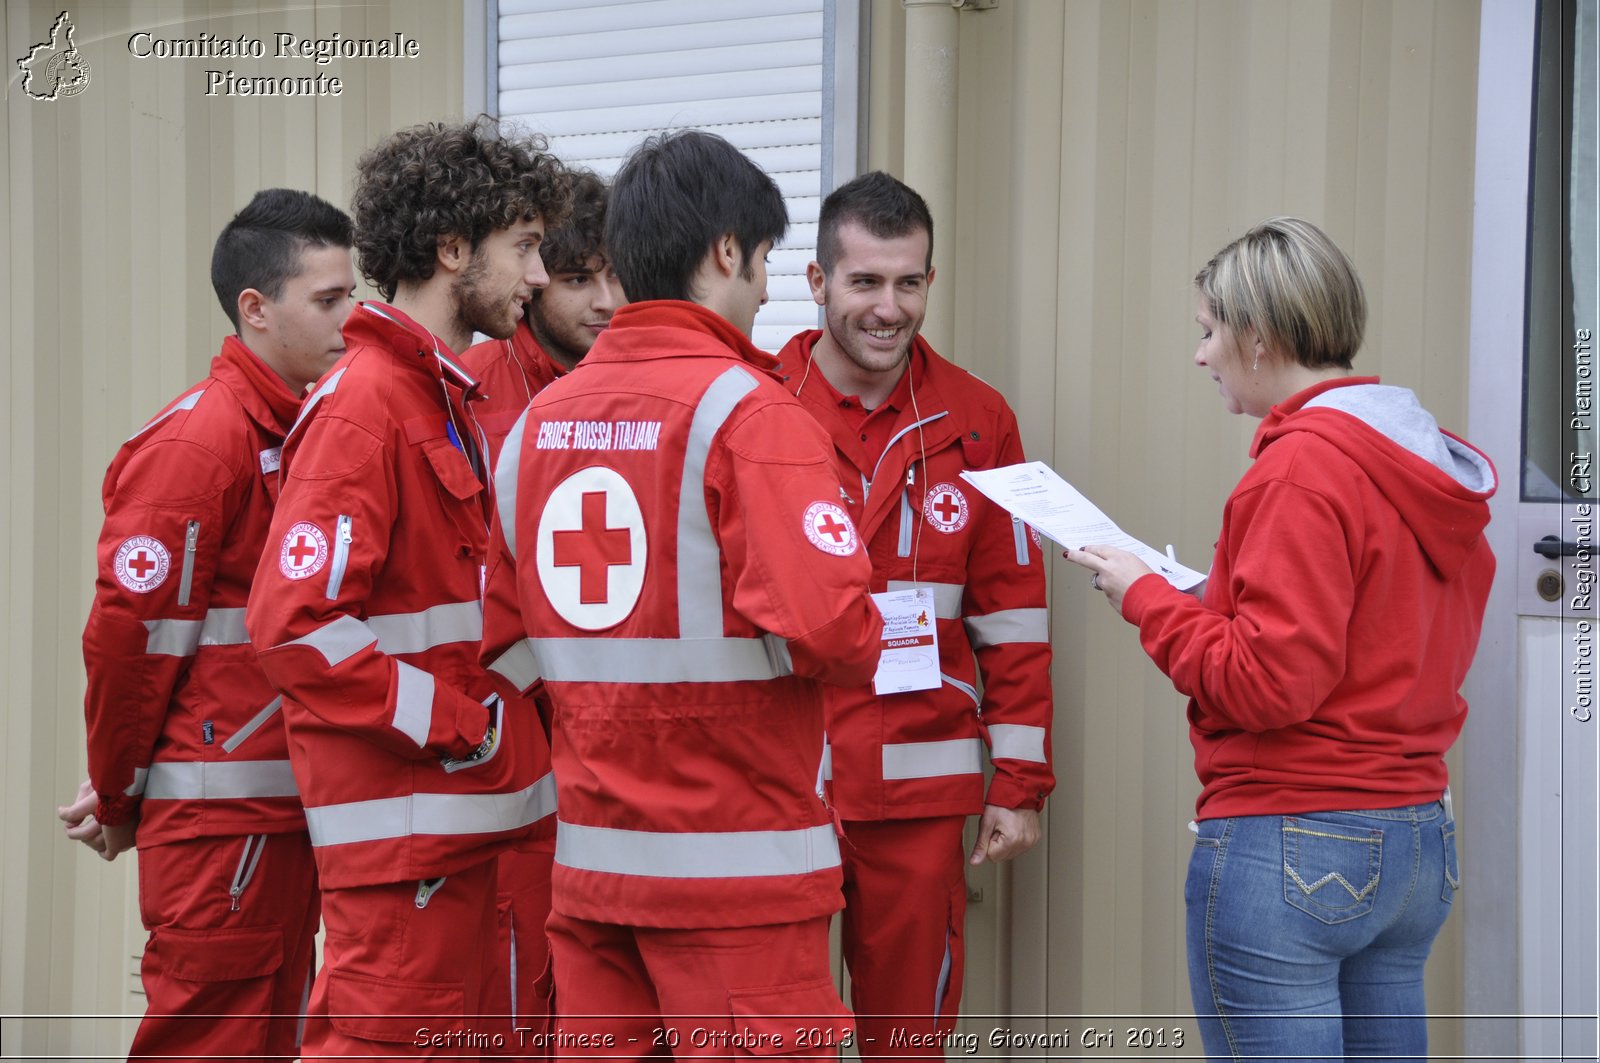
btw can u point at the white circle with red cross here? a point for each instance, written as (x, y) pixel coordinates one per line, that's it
(591, 548)
(304, 551)
(829, 529)
(945, 507)
(141, 564)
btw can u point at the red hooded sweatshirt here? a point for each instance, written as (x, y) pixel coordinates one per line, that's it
(1325, 664)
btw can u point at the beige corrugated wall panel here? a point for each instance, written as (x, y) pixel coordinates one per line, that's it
(112, 201)
(1107, 149)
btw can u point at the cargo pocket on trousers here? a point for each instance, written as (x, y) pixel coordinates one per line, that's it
(805, 1019)
(389, 1010)
(1330, 870)
(1452, 869)
(227, 972)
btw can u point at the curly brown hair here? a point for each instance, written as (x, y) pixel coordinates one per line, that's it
(569, 245)
(437, 180)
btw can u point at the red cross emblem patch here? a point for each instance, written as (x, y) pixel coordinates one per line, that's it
(591, 548)
(946, 508)
(141, 564)
(304, 551)
(829, 529)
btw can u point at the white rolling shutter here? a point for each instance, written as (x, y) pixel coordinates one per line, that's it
(598, 77)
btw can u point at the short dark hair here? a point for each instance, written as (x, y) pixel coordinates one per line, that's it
(260, 248)
(435, 180)
(674, 197)
(879, 203)
(582, 236)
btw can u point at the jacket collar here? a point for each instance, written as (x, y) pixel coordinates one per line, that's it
(262, 392)
(628, 337)
(1268, 427)
(381, 325)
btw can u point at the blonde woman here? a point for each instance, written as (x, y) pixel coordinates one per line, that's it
(1323, 667)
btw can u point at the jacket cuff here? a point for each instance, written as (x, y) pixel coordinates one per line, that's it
(1017, 793)
(471, 723)
(116, 809)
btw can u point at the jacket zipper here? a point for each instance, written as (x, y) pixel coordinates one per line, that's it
(426, 888)
(341, 556)
(254, 846)
(191, 543)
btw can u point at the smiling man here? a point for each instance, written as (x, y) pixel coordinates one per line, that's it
(187, 753)
(907, 767)
(414, 770)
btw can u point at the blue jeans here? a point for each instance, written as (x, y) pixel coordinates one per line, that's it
(1307, 934)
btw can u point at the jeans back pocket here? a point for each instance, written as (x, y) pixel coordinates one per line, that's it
(1330, 870)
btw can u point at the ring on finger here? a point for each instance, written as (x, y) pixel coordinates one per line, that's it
(1094, 581)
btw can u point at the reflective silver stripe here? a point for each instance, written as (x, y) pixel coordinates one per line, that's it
(413, 702)
(338, 640)
(1007, 626)
(946, 596)
(519, 664)
(254, 725)
(906, 521)
(506, 470)
(1019, 531)
(928, 760)
(724, 660)
(140, 777)
(729, 854)
(699, 557)
(430, 814)
(423, 630)
(1016, 741)
(967, 688)
(186, 403)
(317, 396)
(180, 638)
(219, 780)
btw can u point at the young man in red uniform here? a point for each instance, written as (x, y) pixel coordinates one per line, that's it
(562, 321)
(560, 325)
(674, 561)
(415, 771)
(187, 754)
(907, 767)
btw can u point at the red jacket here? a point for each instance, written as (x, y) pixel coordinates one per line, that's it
(178, 711)
(911, 755)
(510, 373)
(1342, 612)
(686, 572)
(367, 616)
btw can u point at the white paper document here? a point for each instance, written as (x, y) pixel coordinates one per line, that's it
(909, 659)
(1033, 492)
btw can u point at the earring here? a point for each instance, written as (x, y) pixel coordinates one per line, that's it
(1255, 366)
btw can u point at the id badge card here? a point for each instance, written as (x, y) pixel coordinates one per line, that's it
(909, 657)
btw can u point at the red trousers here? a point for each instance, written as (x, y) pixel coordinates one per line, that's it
(905, 910)
(406, 971)
(628, 992)
(522, 986)
(228, 961)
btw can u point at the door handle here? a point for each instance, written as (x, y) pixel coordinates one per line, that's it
(1552, 546)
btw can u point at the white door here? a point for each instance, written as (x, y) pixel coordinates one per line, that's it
(1530, 800)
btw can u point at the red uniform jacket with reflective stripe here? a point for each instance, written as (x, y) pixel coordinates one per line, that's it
(510, 373)
(367, 615)
(917, 754)
(178, 710)
(687, 572)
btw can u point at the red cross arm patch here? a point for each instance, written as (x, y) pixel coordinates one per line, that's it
(828, 528)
